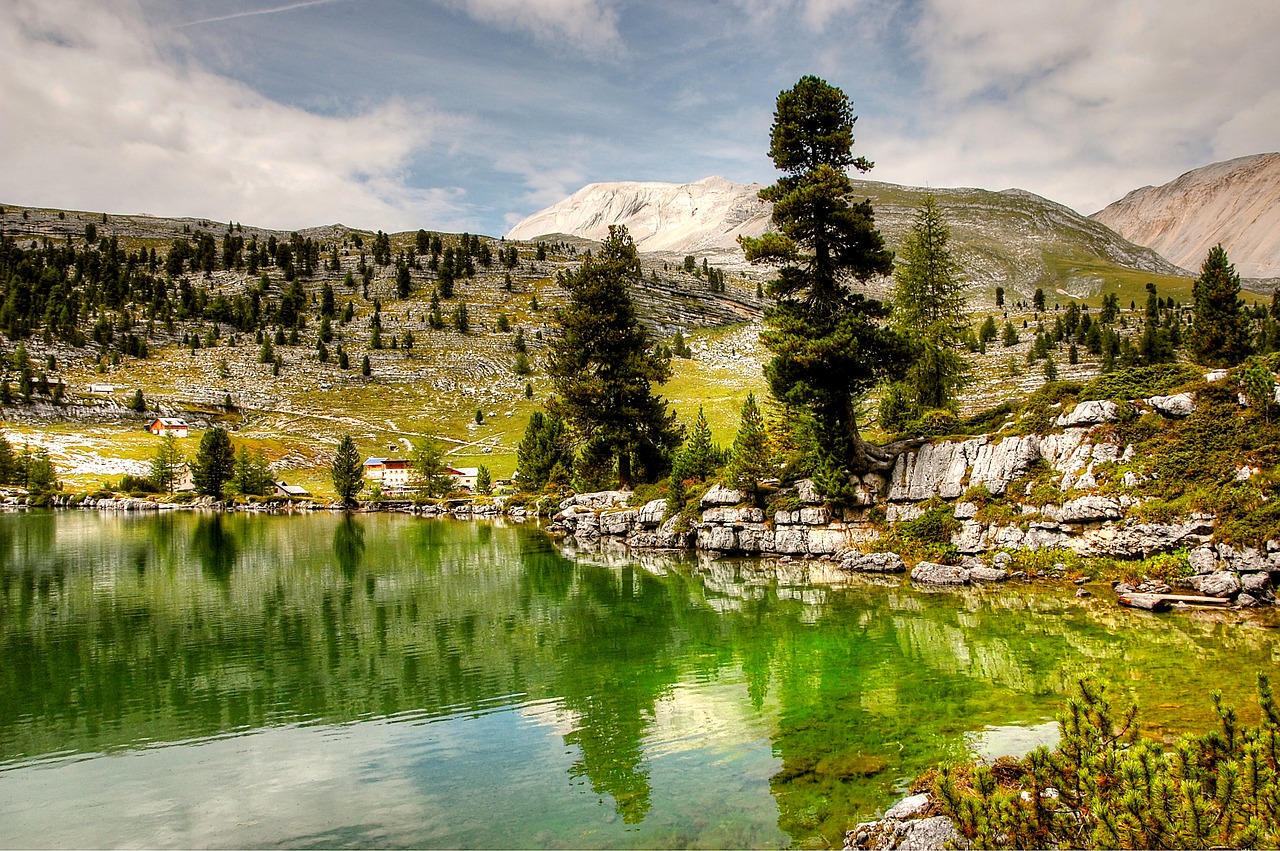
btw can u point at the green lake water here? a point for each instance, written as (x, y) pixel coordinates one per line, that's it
(200, 680)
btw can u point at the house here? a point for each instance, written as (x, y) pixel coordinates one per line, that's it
(286, 489)
(463, 477)
(169, 426)
(393, 475)
(102, 389)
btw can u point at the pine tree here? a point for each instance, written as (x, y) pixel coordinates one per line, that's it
(750, 460)
(347, 472)
(1219, 334)
(829, 344)
(929, 310)
(698, 457)
(484, 479)
(604, 365)
(252, 476)
(214, 464)
(543, 448)
(167, 463)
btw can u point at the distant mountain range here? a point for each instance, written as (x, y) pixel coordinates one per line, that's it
(1012, 238)
(1235, 203)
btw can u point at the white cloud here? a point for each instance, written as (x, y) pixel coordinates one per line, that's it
(100, 119)
(1083, 102)
(588, 25)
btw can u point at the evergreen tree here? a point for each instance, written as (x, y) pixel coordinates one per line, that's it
(829, 344)
(139, 403)
(484, 480)
(347, 471)
(544, 455)
(167, 463)
(698, 457)
(1219, 334)
(366, 368)
(750, 459)
(252, 476)
(604, 365)
(929, 309)
(429, 475)
(214, 464)
(999, 296)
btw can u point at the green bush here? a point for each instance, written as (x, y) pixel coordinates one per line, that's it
(1139, 382)
(1103, 786)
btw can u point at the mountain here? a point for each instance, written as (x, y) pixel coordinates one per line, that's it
(687, 218)
(1235, 203)
(1011, 238)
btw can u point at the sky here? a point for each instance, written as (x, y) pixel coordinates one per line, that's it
(468, 115)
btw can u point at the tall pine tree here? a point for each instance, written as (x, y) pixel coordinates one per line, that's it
(1219, 334)
(830, 345)
(604, 366)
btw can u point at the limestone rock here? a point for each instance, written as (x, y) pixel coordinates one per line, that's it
(617, 522)
(1178, 405)
(716, 537)
(652, 512)
(1224, 583)
(1256, 584)
(724, 514)
(873, 563)
(988, 574)
(721, 495)
(931, 573)
(1203, 560)
(1089, 509)
(965, 510)
(909, 807)
(995, 465)
(1088, 414)
(1246, 600)
(807, 492)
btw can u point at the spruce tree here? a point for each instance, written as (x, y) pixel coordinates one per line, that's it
(830, 345)
(347, 472)
(697, 458)
(214, 464)
(604, 365)
(1219, 334)
(543, 449)
(167, 463)
(929, 310)
(750, 460)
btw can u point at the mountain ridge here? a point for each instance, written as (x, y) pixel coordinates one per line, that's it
(1232, 202)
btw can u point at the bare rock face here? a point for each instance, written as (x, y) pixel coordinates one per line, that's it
(1089, 414)
(1177, 406)
(684, 218)
(1234, 203)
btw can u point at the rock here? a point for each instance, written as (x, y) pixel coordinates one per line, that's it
(965, 510)
(652, 512)
(1088, 414)
(1081, 593)
(732, 516)
(716, 537)
(807, 492)
(970, 537)
(995, 465)
(1246, 600)
(810, 516)
(617, 522)
(1179, 405)
(909, 807)
(1149, 602)
(1002, 560)
(721, 495)
(874, 563)
(902, 513)
(1224, 583)
(1089, 509)
(987, 574)
(931, 573)
(1215, 375)
(1203, 560)
(1256, 584)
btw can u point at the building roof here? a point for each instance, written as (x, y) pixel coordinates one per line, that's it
(171, 422)
(292, 490)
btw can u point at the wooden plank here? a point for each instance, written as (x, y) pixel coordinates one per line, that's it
(1162, 602)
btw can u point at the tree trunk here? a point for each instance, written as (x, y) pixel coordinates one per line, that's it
(624, 469)
(874, 457)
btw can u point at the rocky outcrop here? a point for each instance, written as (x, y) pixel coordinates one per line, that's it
(907, 825)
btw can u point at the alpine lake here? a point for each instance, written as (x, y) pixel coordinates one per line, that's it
(203, 680)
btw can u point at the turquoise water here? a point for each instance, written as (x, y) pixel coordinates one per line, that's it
(201, 680)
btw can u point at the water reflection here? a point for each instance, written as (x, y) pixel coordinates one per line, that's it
(661, 690)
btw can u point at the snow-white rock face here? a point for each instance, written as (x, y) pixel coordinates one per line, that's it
(682, 218)
(1235, 203)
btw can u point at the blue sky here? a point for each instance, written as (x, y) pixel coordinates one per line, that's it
(471, 114)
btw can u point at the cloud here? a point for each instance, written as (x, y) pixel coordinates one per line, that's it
(584, 24)
(1082, 102)
(100, 119)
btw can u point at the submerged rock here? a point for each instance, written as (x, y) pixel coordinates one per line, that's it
(931, 573)
(873, 563)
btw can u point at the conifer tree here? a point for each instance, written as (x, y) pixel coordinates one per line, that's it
(697, 458)
(167, 463)
(830, 345)
(347, 472)
(929, 309)
(214, 464)
(604, 365)
(1219, 334)
(750, 460)
(543, 450)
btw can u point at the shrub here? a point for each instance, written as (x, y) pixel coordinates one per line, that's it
(1139, 382)
(1103, 786)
